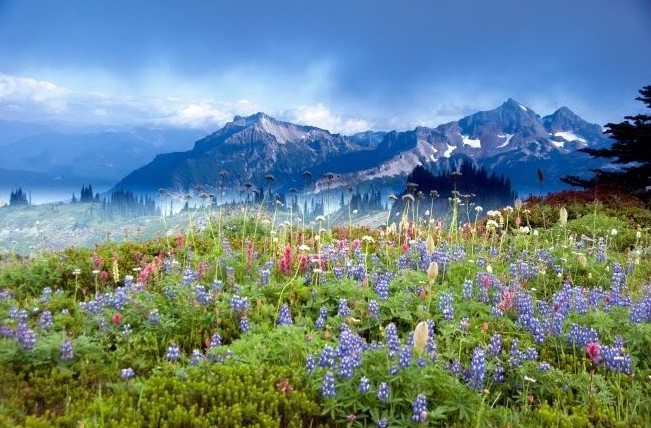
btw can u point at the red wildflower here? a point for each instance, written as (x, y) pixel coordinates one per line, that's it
(103, 276)
(593, 350)
(116, 318)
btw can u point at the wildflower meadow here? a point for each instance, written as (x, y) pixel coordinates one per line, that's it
(536, 314)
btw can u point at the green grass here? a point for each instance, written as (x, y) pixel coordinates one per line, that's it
(134, 301)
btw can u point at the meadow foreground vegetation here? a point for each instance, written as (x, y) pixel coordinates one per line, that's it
(534, 315)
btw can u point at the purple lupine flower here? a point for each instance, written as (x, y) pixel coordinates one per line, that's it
(467, 289)
(310, 363)
(382, 423)
(154, 317)
(613, 358)
(364, 385)
(419, 409)
(46, 293)
(391, 334)
(127, 373)
(374, 309)
(239, 304)
(405, 356)
(244, 324)
(495, 345)
(445, 305)
(188, 277)
(17, 314)
(499, 374)
(196, 358)
(6, 331)
(477, 369)
(173, 352)
(328, 385)
(201, 295)
(284, 316)
(25, 336)
(46, 320)
(264, 276)
(342, 308)
(544, 366)
(383, 392)
(67, 353)
(454, 367)
(382, 286)
(581, 336)
(347, 364)
(516, 357)
(328, 357)
(215, 340)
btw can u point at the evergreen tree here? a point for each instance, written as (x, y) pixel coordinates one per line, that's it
(18, 197)
(631, 150)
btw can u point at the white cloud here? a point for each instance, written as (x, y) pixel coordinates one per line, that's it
(25, 87)
(27, 99)
(322, 117)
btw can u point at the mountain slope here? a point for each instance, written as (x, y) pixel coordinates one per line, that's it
(249, 149)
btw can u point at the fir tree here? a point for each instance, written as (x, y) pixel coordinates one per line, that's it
(631, 150)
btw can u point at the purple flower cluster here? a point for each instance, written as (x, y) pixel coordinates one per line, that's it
(244, 324)
(419, 409)
(201, 295)
(382, 286)
(383, 392)
(67, 353)
(391, 337)
(239, 304)
(25, 336)
(173, 352)
(342, 308)
(45, 320)
(284, 315)
(477, 369)
(580, 336)
(445, 305)
(321, 320)
(405, 356)
(328, 385)
(374, 309)
(364, 385)
(495, 345)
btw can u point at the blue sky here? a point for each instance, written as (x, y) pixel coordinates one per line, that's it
(346, 65)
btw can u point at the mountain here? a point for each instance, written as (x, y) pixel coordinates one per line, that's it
(105, 155)
(511, 139)
(249, 149)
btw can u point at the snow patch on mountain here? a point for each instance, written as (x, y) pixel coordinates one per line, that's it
(559, 144)
(523, 107)
(467, 141)
(449, 151)
(506, 142)
(569, 136)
